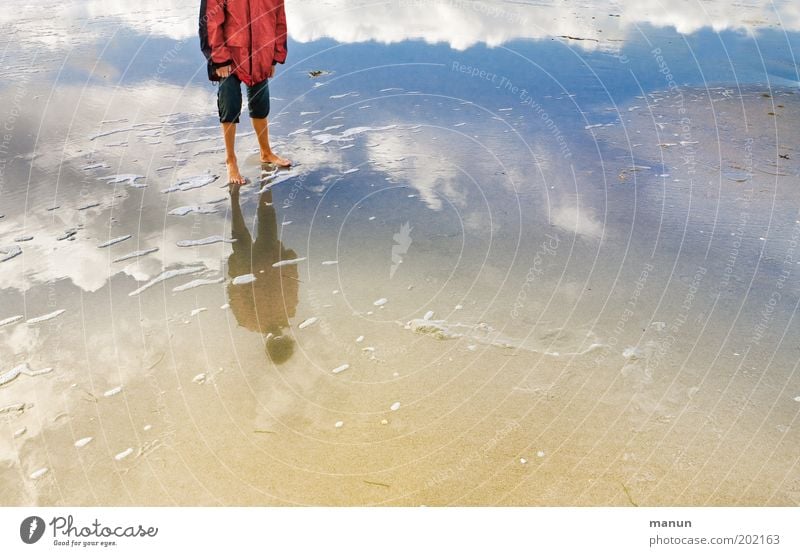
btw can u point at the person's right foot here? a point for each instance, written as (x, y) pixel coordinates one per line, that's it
(234, 176)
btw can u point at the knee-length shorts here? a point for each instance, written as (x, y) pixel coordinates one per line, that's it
(229, 99)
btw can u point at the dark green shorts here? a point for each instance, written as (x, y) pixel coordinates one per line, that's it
(229, 99)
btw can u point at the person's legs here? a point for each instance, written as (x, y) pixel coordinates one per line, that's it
(258, 104)
(229, 102)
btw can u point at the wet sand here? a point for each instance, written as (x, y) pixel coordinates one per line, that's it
(446, 307)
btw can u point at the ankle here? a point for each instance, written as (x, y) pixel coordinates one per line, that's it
(230, 160)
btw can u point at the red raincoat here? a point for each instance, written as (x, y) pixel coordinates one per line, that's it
(248, 34)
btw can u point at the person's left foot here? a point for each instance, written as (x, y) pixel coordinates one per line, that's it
(273, 158)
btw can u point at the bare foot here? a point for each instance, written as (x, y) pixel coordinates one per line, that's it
(273, 158)
(234, 176)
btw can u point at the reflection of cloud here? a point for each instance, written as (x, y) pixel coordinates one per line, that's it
(431, 174)
(143, 269)
(21, 339)
(68, 23)
(689, 16)
(468, 21)
(75, 113)
(72, 116)
(312, 154)
(577, 220)
(89, 268)
(480, 223)
(494, 23)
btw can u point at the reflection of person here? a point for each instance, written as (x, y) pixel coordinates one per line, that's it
(267, 304)
(242, 41)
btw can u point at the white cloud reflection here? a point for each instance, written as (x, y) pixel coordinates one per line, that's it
(458, 23)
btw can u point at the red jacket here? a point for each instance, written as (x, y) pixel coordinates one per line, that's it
(249, 34)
